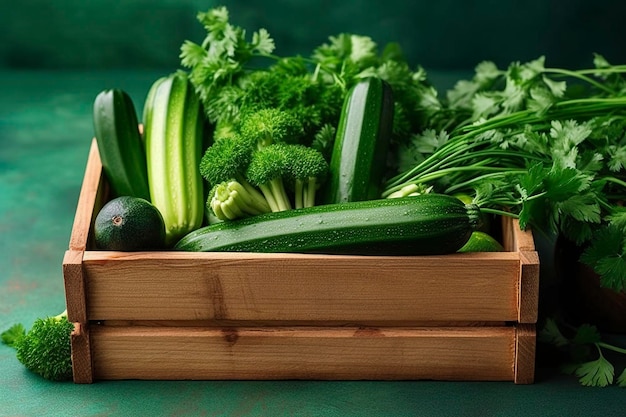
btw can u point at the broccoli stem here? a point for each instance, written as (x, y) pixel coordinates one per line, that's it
(304, 192)
(231, 200)
(255, 196)
(309, 192)
(299, 194)
(278, 188)
(275, 194)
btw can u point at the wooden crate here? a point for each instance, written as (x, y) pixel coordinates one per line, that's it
(178, 315)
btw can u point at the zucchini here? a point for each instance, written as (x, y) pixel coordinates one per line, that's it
(173, 135)
(120, 144)
(359, 157)
(426, 224)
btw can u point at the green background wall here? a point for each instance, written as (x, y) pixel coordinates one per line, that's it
(440, 34)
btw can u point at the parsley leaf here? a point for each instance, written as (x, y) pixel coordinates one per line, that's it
(462, 95)
(13, 335)
(586, 340)
(606, 254)
(420, 146)
(585, 334)
(597, 373)
(617, 157)
(550, 333)
(566, 136)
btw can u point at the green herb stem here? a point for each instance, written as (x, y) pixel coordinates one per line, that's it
(581, 76)
(613, 348)
(491, 210)
(615, 181)
(445, 171)
(491, 175)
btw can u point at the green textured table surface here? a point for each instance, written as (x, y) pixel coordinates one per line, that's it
(45, 133)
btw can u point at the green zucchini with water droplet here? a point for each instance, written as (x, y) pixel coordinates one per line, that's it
(359, 158)
(120, 144)
(428, 224)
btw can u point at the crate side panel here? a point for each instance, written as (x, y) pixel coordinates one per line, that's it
(304, 353)
(529, 287)
(525, 351)
(92, 193)
(74, 283)
(277, 287)
(515, 239)
(82, 369)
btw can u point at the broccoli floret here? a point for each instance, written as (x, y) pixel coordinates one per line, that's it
(228, 159)
(267, 169)
(45, 349)
(225, 159)
(307, 172)
(269, 125)
(230, 200)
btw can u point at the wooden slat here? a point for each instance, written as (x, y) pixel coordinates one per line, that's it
(88, 200)
(75, 297)
(279, 287)
(304, 353)
(529, 287)
(82, 368)
(513, 238)
(525, 347)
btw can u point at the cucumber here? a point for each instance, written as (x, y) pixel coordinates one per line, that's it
(359, 157)
(174, 136)
(427, 224)
(120, 144)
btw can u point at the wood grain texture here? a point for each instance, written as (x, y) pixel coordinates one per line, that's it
(281, 287)
(73, 278)
(89, 200)
(304, 353)
(529, 287)
(82, 368)
(515, 239)
(525, 350)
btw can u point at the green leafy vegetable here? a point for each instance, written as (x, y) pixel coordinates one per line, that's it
(267, 170)
(306, 174)
(606, 255)
(229, 200)
(546, 145)
(235, 74)
(598, 372)
(44, 349)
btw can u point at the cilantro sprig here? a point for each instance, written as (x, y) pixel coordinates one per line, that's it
(587, 353)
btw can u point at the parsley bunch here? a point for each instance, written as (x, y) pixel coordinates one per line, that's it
(545, 145)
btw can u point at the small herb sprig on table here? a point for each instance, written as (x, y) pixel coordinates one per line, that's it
(584, 344)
